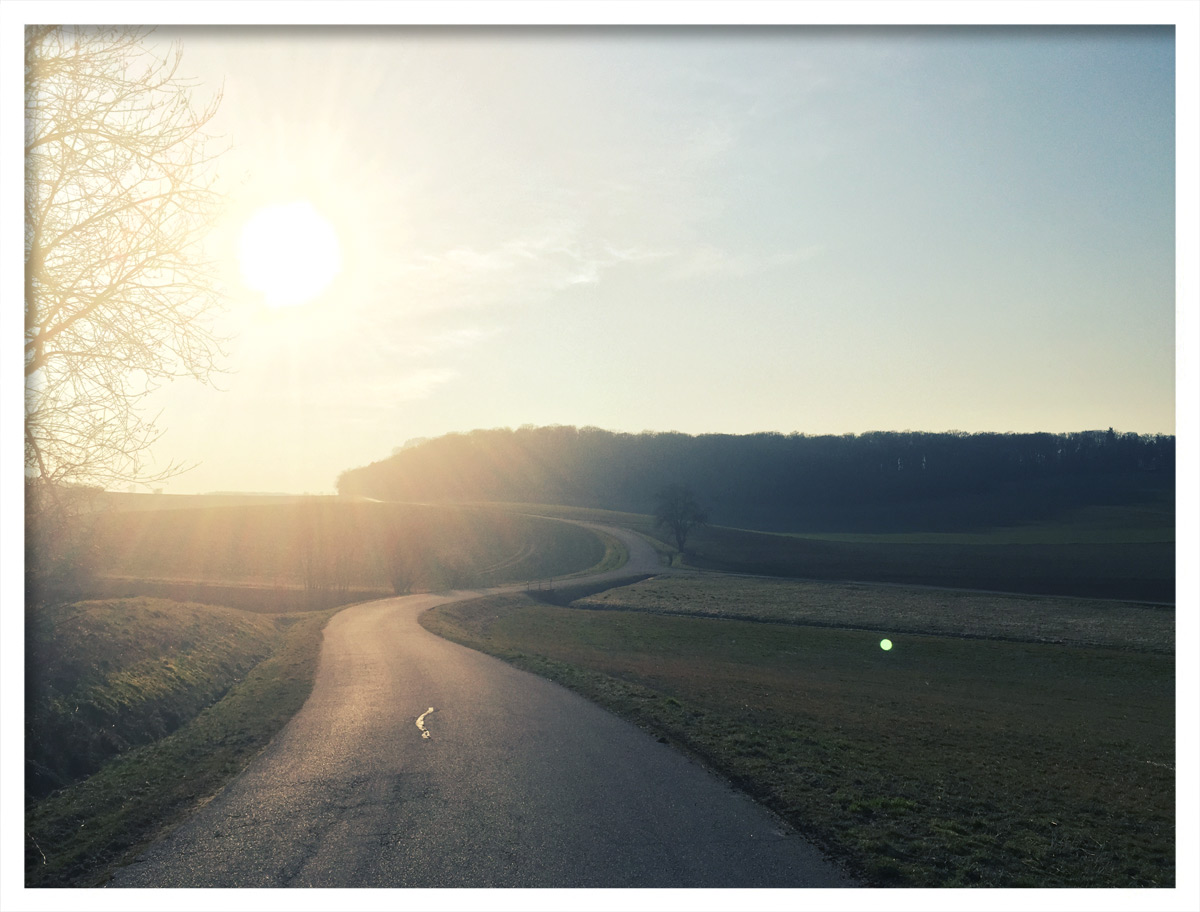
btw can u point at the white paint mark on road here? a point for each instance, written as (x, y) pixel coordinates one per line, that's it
(421, 723)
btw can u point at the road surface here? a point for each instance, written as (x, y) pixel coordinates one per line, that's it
(419, 763)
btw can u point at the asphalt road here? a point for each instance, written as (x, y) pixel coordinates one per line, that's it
(419, 763)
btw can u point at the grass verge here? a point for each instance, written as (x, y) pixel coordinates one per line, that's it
(77, 836)
(615, 555)
(943, 762)
(104, 676)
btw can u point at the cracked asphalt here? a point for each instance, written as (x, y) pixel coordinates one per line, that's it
(520, 783)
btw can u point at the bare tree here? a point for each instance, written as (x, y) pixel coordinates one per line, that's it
(118, 292)
(118, 196)
(676, 508)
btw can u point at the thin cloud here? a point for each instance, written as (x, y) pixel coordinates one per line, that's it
(708, 261)
(419, 384)
(520, 270)
(451, 340)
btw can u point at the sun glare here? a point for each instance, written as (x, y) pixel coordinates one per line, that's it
(289, 252)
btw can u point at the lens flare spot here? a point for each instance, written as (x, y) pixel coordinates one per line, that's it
(885, 645)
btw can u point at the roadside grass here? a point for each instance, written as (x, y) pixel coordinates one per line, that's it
(76, 836)
(615, 555)
(944, 762)
(104, 676)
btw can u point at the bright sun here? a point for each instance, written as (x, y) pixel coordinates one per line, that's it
(289, 252)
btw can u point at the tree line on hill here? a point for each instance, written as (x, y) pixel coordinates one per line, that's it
(783, 482)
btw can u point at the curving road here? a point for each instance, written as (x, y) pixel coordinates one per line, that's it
(419, 763)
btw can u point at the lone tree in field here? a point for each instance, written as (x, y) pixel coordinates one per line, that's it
(677, 510)
(118, 196)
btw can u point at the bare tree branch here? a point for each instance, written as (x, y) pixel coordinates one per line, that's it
(119, 193)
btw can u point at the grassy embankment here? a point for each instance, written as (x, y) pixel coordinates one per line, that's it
(1001, 742)
(104, 676)
(77, 834)
(170, 700)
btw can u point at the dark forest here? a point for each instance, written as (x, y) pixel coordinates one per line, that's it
(878, 481)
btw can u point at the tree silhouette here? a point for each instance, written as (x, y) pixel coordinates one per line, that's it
(786, 483)
(677, 510)
(118, 195)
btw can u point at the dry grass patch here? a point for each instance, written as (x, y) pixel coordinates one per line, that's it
(1077, 622)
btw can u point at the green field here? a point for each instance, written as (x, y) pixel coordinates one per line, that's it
(950, 760)
(1148, 520)
(1120, 552)
(1138, 571)
(327, 545)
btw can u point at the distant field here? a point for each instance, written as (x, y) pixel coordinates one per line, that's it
(946, 761)
(586, 514)
(1115, 551)
(1119, 552)
(336, 544)
(1069, 621)
(1152, 522)
(120, 500)
(1139, 571)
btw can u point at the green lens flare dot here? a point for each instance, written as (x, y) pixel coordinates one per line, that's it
(885, 645)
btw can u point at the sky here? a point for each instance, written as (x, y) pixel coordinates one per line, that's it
(714, 229)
